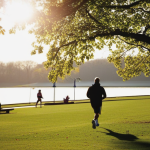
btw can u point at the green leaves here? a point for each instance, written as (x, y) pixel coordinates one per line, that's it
(83, 26)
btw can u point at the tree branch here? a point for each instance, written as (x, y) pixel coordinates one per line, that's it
(124, 6)
(67, 44)
(134, 44)
(92, 17)
(137, 37)
(144, 10)
(131, 47)
(126, 51)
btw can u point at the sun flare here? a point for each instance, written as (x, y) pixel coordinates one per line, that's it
(19, 11)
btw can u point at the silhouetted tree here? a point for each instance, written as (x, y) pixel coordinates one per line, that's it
(28, 69)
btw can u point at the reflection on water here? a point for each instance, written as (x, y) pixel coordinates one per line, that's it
(27, 95)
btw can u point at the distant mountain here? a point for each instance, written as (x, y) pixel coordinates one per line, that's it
(103, 69)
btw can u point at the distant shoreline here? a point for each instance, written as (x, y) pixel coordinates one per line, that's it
(83, 84)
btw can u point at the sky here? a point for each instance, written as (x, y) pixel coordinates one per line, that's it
(17, 47)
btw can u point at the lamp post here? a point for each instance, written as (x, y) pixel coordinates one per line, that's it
(54, 85)
(76, 79)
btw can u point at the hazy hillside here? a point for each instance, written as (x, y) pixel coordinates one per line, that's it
(103, 69)
(27, 72)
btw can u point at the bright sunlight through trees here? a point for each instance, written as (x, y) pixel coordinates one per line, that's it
(18, 11)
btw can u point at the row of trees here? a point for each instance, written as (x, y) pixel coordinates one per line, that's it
(22, 72)
(26, 72)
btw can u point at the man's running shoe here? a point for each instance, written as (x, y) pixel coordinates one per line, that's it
(93, 124)
(97, 124)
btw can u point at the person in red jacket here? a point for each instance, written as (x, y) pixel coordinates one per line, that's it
(39, 96)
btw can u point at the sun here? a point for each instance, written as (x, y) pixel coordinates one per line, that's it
(19, 11)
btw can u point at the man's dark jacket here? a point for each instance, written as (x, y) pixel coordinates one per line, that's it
(96, 93)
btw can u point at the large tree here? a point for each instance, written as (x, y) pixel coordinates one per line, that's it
(75, 28)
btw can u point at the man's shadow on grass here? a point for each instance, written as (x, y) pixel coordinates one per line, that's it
(120, 136)
(128, 137)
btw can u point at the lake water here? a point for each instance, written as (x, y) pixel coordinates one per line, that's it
(29, 94)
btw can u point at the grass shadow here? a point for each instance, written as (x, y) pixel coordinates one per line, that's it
(120, 136)
(134, 141)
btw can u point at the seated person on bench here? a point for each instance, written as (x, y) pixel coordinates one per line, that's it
(66, 99)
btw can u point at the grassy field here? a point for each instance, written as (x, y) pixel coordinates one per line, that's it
(124, 124)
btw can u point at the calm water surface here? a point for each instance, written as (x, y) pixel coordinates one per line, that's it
(27, 94)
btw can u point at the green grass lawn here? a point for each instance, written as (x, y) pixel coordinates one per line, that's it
(124, 124)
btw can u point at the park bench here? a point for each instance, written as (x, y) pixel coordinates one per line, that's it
(58, 103)
(5, 109)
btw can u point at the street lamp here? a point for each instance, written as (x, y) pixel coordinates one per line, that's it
(54, 85)
(78, 80)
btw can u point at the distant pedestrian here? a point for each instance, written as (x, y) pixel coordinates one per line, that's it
(39, 96)
(96, 93)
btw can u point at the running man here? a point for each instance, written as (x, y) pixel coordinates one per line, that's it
(96, 94)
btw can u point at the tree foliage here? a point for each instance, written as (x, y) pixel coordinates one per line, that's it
(74, 28)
